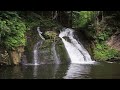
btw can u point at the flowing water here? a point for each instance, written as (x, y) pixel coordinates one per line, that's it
(81, 66)
(36, 59)
(39, 32)
(55, 55)
(76, 51)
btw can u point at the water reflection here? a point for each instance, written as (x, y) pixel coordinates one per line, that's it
(36, 59)
(11, 72)
(62, 71)
(76, 71)
(17, 73)
(43, 71)
(35, 71)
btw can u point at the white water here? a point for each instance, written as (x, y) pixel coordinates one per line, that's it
(39, 32)
(35, 53)
(76, 51)
(57, 60)
(35, 49)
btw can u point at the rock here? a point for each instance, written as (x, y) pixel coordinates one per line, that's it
(113, 60)
(4, 57)
(114, 42)
(16, 55)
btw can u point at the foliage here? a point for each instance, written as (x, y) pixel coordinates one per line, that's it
(104, 52)
(51, 34)
(12, 30)
(46, 44)
(13, 26)
(33, 19)
(81, 18)
(103, 35)
(8, 14)
(100, 32)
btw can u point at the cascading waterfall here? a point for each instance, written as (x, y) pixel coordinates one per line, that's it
(57, 61)
(36, 52)
(39, 32)
(35, 49)
(76, 51)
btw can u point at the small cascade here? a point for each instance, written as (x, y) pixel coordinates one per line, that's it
(76, 51)
(57, 61)
(36, 60)
(39, 32)
(36, 53)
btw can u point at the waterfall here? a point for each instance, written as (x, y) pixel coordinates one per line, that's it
(36, 48)
(36, 53)
(76, 51)
(39, 32)
(56, 58)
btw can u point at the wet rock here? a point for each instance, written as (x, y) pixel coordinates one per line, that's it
(16, 55)
(114, 60)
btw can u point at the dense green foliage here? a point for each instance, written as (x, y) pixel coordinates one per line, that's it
(98, 26)
(82, 18)
(103, 52)
(34, 19)
(12, 30)
(13, 26)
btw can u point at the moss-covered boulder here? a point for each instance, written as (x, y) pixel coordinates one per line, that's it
(53, 52)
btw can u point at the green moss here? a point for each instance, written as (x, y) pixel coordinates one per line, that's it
(46, 44)
(51, 34)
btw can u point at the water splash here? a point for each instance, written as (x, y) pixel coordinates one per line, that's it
(76, 51)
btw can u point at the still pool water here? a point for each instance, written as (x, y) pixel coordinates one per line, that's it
(101, 70)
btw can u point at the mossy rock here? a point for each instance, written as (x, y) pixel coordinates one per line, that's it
(51, 34)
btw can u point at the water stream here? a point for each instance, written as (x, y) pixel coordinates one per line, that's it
(76, 51)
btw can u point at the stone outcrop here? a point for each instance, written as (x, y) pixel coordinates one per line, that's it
(4, 58)
(16, 55)
(114, 41)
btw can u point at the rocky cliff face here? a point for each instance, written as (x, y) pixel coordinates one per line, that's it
(4, 57)
(114, 41)
(53, 52)
(16, 55)
(11, 57)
